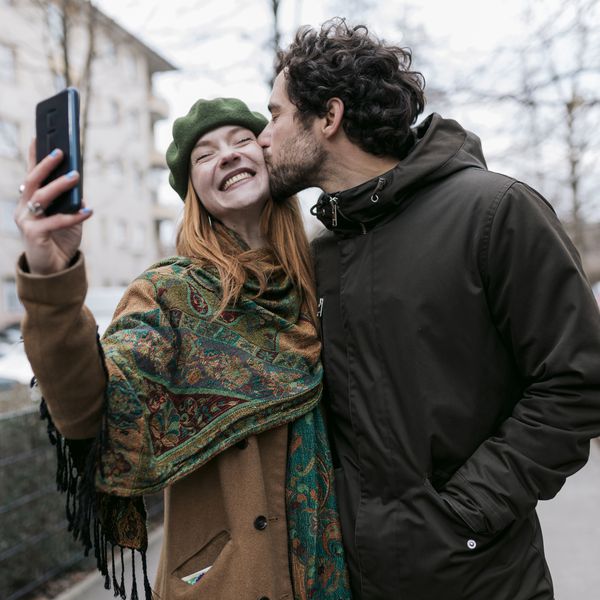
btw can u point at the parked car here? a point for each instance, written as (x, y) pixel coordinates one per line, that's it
(14, 366)
(7, 384)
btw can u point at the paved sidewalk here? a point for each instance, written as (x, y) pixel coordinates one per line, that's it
(571, 528)
(92, 587)
(570, 523)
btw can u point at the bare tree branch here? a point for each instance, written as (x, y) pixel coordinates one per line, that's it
(551, 83)
(86, 75)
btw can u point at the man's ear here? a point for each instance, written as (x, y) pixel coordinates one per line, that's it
(332, 122)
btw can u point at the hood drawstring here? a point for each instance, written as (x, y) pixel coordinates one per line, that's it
(381, 183)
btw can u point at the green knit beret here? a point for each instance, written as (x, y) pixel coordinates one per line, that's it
(204, 116)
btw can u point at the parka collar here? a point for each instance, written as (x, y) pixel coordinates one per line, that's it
(440, 147)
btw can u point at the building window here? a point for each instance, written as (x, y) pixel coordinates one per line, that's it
(115, 171)
(134, 123)
(166, 232)
(9, 139)
(104, 231)
(8, 64)
(131, 66)
(140, 175)
(10, 300)
(120, 233)
(114, 111)
(110, 51)
(138, 238)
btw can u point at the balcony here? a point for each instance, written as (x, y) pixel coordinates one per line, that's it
(157, 159)
(159, 108)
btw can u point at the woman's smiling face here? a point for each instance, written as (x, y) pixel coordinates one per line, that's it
(228, 173)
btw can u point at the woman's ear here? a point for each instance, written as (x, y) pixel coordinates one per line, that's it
(333, 118)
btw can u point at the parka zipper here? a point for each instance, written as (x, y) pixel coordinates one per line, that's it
(333, 202)
(334, 208)
(320, 308)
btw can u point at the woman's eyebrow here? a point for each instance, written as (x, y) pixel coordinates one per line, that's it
(201, 143)
(232, 133)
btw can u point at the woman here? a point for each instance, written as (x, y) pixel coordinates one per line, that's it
(205, 385)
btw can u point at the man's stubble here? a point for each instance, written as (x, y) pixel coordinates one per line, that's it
(301, 164)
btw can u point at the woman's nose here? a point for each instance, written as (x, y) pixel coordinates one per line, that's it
(229, 156)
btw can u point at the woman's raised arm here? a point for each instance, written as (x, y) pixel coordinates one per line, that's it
(50, 243)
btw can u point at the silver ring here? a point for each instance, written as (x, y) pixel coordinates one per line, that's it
(21, 189)
(35, 208)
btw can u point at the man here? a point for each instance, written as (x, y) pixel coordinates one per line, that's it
(461, 340)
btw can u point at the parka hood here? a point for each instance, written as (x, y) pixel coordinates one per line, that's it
(441, 148)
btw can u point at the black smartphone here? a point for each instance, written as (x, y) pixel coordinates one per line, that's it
(57, 126)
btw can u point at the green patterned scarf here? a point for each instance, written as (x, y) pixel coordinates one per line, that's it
(316, 551)
(182, 386)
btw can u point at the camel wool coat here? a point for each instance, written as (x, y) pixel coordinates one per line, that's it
(228, 514)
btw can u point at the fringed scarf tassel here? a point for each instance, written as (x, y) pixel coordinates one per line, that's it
(75, 474)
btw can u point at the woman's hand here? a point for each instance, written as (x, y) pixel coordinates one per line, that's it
(50, 242)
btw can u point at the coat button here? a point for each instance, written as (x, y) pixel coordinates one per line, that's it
(260, 523)
(242, 444)
(471, 544)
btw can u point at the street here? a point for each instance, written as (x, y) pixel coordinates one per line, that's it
(571, 526)
(570, 522)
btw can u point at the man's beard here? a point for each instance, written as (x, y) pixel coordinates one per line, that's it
(301, 168)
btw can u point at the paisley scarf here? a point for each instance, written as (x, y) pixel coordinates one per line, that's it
(184, 384)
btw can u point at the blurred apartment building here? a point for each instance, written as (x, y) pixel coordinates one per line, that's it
(131, 227)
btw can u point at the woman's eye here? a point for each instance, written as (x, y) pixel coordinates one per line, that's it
(201, 157)
(244, 140)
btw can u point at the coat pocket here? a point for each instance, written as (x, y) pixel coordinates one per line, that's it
(206, 559)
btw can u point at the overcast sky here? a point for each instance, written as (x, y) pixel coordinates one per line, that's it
(217, 44)
(221, 49)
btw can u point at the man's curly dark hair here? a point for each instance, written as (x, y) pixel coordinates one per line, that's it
(382, 97)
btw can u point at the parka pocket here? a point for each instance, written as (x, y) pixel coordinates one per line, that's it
(471, 540)
(448, 559)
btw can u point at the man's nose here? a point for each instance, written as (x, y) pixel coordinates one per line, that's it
(264, 139)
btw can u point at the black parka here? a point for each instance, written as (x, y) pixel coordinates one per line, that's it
(461, 345)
